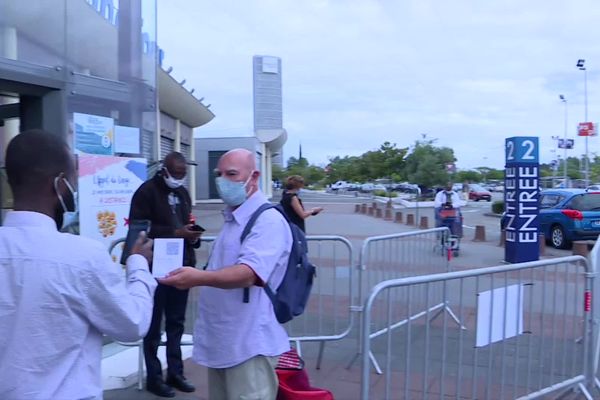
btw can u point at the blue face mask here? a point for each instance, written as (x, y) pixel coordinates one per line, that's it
(232, 193)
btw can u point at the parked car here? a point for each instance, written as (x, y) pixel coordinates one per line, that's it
(339, 185)
(405, 187)
(567, 215)
(595, 186)
(370, 187)
(478, 192)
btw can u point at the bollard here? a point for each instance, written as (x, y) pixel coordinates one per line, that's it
(363, 208)
(502, 238)
(371, 211)
(479, 233)
(542, 241)
(388, 214)
(424, 224)
(378, 213)
(357, 208)
(580, 248)
(410, 219)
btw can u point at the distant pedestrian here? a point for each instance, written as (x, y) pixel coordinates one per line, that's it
(292, 204)
(60, 293)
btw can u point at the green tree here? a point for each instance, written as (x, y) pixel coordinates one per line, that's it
(427, 164)
(278, 173)
(467, 176)
(496, 174)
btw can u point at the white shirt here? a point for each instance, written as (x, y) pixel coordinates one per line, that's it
(58, 294)
(441, 198)
(229, 331)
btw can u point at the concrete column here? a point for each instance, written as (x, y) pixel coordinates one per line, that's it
(177, 136)
(193, 169)
(8, 36)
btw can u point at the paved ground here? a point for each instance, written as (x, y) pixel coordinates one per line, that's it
(339, 219)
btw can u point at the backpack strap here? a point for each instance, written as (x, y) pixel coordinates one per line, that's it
(246, 232)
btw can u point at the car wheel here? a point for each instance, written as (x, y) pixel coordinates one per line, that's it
(477, 199)
(557, 237)
(489, 200)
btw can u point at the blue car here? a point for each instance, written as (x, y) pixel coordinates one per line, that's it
(567, 215)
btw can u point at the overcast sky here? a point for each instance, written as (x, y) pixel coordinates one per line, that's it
(359, 73)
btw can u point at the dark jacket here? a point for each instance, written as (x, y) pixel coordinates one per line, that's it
(151, 202)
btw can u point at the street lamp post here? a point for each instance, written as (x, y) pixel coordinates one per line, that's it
(580, 65)
(564, 100)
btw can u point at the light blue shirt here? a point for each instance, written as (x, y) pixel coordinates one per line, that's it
(229, 331)
(58, 294)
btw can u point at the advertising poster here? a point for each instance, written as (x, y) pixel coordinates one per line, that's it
(93, 134)
(106, 186)
(127, 140)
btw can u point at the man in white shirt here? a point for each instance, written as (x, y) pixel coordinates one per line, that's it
(59, 293)
(240, 341)
(447, 198)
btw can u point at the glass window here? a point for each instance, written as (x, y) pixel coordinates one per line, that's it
(550, 200)
(585, 202)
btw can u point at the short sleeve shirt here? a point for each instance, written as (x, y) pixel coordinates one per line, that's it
(229, 331)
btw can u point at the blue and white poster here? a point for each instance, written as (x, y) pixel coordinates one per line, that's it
(94, 134)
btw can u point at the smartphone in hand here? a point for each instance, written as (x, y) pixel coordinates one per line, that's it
(135, 227)
(197, 228)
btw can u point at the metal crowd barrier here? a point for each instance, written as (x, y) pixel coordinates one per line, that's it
(523, 324)
(202, 254)
(328, 315)
(402, 255)
(594, 260)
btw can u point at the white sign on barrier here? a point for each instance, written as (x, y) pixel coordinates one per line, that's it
(505, 305)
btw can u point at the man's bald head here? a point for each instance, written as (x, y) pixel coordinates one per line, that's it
(239, 165)
(242, 158)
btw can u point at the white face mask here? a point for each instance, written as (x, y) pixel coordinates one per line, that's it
(170, 181)
(232, 193)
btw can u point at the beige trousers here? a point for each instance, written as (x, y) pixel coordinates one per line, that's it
(254, 379)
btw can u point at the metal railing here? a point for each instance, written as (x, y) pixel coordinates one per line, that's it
(115, 250)
(523, 324)
(403, 255)
(328, 315)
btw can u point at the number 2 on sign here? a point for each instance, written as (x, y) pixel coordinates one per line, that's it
(510, 147)
(530, 147)
(528, 144)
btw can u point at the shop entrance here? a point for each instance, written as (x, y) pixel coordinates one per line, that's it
(26, 106)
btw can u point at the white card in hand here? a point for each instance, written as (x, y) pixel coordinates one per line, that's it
(168, 256)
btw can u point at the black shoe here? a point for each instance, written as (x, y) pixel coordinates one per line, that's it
(179, 382)
(160, 389)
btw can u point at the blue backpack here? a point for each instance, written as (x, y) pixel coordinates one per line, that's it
(291, 296)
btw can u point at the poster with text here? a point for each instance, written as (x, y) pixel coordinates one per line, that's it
(94, 134)
(106, 186)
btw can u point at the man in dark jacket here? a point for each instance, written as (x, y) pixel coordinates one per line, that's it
(167, 204)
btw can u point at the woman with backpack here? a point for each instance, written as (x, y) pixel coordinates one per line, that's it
(292, 205)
